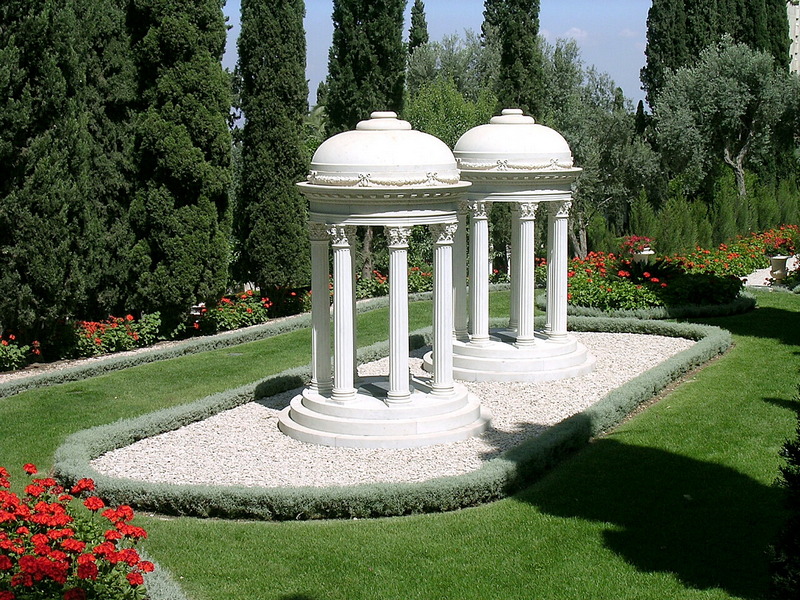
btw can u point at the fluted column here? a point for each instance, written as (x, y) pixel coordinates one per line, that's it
(479, 273)
(399, 388)
(527, 277)
(557, 266)
(513, 309)
(321, 381)
(343, 317)
(443, 308)
(460, 275)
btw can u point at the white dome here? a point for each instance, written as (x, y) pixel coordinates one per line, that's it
(512, 142)
(383, 152)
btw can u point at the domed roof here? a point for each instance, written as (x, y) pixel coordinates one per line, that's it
(512, 142)
(383, 152)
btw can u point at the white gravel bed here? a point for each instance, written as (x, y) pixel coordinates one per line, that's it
(243, 446)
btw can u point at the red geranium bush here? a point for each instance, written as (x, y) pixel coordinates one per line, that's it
(53, 545)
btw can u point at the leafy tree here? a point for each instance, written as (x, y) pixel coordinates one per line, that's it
(418, 34)
(466, 62)
(513, 25)
(270, 214)
(679, 30)
(723, 108)
(440, 109)
(179, 212)
(366, 62)
(588, 109)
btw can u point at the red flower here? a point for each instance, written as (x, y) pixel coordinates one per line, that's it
(5, 563)
(7, 596)
(129, 317)
(146, 566)
(655, 279)
(11, 336)
(94, 503)
(646, 274)
(87, 570)
(30, 468)
(196, 325)
(135, 579)
(5, 343)
(75, 594)
(83, 485)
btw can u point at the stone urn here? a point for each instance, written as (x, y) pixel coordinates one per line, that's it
(777, 268)
(644, 256)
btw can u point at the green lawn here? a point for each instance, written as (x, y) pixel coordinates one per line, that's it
(678, 502)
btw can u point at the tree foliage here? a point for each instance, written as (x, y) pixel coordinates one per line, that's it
(179, 210)
(723, 108)
(64, 162)
(366, 62)
(418, 33)
(513, 26)
(466, 62)
(679, 30)
(270, 213)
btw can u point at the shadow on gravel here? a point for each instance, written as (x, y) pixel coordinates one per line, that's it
(707, 524)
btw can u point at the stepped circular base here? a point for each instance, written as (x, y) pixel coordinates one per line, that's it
(500, 360)
(368, 421)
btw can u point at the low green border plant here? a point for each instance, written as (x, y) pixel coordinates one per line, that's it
(498, 478)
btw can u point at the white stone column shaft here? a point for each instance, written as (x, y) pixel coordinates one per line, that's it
(399, 388)
(321, 381)
(479, 273)
(557, 267)
(460, 323)
(527, 277)
(513, 310)
(343, 317)
(443, 309)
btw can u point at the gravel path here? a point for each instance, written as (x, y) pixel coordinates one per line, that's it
(243, 446)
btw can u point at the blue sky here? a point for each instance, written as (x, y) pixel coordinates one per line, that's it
(611, 33)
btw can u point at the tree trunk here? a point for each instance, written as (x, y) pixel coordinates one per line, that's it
(366, 253)
(580, 244)
(737, 164)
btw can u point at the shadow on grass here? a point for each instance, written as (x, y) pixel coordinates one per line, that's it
(707, 524)
(763, 322)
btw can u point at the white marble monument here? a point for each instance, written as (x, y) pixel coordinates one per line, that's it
(513, 159)
(382, 174)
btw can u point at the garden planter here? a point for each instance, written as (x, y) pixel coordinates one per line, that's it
(643, 256)
(777, 268)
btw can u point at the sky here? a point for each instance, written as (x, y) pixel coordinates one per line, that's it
(610, 33)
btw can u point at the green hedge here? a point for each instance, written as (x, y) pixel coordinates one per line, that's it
(497, 478)
(743, 303)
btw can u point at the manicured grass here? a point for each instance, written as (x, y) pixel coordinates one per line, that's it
(676, 503)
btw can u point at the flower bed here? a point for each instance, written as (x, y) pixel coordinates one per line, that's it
(52, 546)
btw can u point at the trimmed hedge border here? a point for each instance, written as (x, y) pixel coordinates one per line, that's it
(499, 477)
(160, 584)
(112, 363)
(742, 304)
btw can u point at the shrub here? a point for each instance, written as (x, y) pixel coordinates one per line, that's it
(115, 334)
(234, 312)
(51, 548)
(13, 356)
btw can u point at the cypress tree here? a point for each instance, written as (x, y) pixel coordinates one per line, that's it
(50, 235)
(666, 45)
(182, 155)
(418, 34)
(366, 62)
(270, 214)
(514, 25)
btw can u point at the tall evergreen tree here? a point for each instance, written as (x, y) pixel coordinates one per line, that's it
(50, 230)
(666, 45)
(182, 156)
(270, 214)
(366, 62)
(514, 25)
(418, 34)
